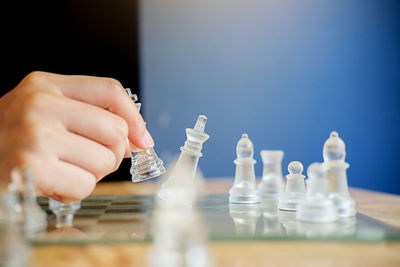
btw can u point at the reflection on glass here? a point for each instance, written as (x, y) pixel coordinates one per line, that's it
(245, 217)
(272, 227)
(288, 221)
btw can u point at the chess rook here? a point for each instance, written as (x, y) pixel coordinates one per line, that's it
(244, 189)
(271, 183)
(334, 153)
(145, 164)
(188, 159)
(295, 187)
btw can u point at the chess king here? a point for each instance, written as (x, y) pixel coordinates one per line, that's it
(184, 172)
(334, 154)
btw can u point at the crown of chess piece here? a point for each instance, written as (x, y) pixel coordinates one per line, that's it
(295, 187)
(184, 171)
(145, 164)
(334, 154)
(271, 184)
(244, 190)
(317, 207)
(64, 212)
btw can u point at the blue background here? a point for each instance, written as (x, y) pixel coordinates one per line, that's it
(285, 72)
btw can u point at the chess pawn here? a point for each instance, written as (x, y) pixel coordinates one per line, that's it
(64, 212)
(295, 187)
(145, 164)
(184, 171)
(244, 189)
(334, 154)
(271, 183)
(317, 207)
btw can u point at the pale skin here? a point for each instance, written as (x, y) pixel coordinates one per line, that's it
(70, 130)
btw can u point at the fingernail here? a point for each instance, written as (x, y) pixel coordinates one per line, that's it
(148, 140)
(128, 148)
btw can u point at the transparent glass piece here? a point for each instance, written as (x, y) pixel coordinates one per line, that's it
(184, 171)
(295, 187)
(317, 207)
(64, 212)
(244, 189)
(334, 148)
(14, 250)
(145, 164)
(271, 184)
(34, 218)
(334, 154)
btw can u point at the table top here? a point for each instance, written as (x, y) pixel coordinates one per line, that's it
(381, 206)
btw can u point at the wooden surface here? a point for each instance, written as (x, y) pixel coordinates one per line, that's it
(383, 207)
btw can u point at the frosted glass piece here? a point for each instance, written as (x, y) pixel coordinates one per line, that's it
(295, 187)
(271, 184)
(317, 207)
(334, 153)
(244, 189)
(184, 171)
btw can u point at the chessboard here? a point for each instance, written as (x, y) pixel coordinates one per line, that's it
(127, 218)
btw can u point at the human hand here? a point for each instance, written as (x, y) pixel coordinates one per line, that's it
(70, 130)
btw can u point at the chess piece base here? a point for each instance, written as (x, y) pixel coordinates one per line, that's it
(290, 200)
(317, 209)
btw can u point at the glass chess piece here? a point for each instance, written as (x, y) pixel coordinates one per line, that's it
(145, 164)
(244, 189)
(316, 206)
(184, 171)
(34, 218)
(295, 187)
(334, 154)
(14, 250)
(64, 212)
(271, 184)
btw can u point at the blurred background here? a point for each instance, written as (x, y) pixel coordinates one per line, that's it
(284, 72)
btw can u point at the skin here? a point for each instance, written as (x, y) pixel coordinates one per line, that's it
(70, 130)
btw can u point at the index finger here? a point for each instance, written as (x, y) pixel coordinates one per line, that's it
(109, 94)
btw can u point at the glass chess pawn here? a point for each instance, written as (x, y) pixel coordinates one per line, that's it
(244, 189)
(145, 164)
